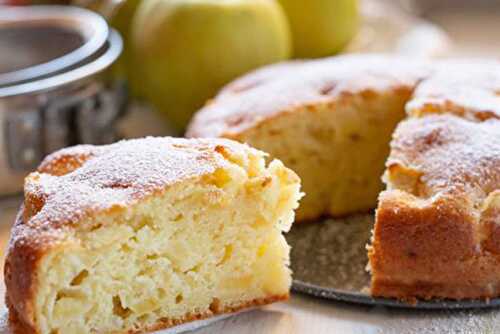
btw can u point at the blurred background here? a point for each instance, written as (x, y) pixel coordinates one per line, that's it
(96, 71)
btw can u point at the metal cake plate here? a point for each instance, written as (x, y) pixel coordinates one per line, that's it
(329, 261)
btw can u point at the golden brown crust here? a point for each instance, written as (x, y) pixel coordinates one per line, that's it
(435, 231)
(214, 311)
(17, 326)
(67, 160)
(80, 182)
(419, 247)
(24, 254)
(467, 88)
(273, 90)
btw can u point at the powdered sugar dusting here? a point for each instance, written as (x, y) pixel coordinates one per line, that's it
(107, 177)
(452, 154)
(290, 86)
(467, 88)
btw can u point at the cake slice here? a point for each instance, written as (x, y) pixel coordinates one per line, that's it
(437, 231)
(149, 233)
(329, 120)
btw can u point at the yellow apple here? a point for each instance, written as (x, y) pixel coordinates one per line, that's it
(321, 27)
(119, 14)
(185, 50)
(121, 18)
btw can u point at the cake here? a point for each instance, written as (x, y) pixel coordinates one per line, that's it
(437, 224)
(436, 232)
(329, 120)
(149, 233)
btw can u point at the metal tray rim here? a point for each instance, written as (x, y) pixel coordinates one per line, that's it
(365, 299)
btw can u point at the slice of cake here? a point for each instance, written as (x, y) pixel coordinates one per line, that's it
(437, 231)
(146, 234)
(329, 120)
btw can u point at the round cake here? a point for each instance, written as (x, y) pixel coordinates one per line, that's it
(332, 121)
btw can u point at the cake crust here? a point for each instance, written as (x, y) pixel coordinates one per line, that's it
(436, 226)
(264, 94)
(436, 231)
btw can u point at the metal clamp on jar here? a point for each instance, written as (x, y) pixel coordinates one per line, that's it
(53, 89)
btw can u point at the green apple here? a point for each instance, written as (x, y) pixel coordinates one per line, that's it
(120, 18)
(186, 50)
(321, 27)
(119, 14)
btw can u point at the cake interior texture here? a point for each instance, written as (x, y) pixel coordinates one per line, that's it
(329, 120)
(208, 245)
(338, 148)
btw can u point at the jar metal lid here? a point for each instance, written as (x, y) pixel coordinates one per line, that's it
(52, 93)
(91, 46)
